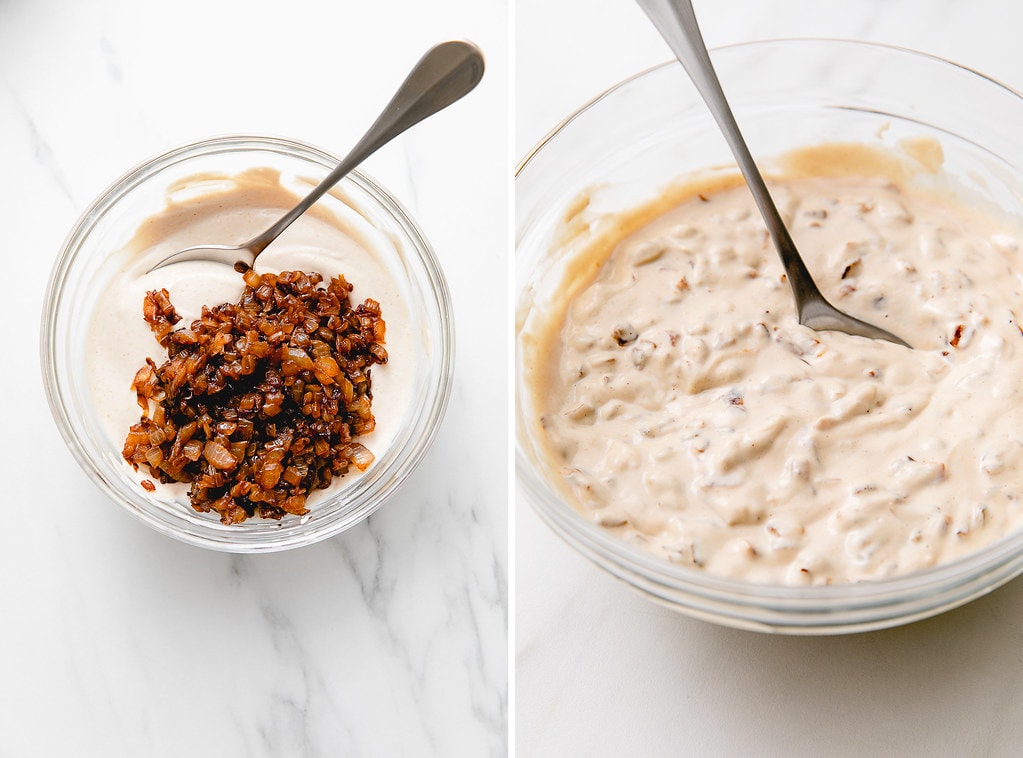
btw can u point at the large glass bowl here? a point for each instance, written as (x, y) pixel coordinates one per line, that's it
(87, 263)
(639, 137)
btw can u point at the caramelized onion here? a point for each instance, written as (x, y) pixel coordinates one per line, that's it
(258, 401)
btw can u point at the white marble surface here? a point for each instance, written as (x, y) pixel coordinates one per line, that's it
(601, 671)
(389, 639)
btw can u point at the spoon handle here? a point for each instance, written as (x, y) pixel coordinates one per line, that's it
(447, 72)
(676, 22)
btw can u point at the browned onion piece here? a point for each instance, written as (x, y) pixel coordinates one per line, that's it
(258, 401)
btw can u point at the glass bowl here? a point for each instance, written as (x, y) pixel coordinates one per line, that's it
(620, 150)
(87, 262)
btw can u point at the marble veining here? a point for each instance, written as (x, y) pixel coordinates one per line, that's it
(389, 639)
(601, 671)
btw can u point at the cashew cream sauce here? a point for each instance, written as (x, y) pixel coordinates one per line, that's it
(687, 411)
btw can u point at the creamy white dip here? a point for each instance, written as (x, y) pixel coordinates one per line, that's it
(330, 239)
(686, 410)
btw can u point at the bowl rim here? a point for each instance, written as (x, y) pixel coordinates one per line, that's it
(764, 43)
(870, 604)
(436, 294)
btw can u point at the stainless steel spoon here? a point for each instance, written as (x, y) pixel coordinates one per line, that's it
(676, 22)
(447, 72)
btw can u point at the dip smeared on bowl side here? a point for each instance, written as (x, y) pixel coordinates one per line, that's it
(335, 244)
(683, 407)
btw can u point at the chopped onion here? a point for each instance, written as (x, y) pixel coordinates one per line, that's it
(258, 401)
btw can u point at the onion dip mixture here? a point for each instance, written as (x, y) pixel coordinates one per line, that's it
(686, 410)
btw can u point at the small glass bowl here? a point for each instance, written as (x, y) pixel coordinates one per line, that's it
(639, 137)
(86, 263)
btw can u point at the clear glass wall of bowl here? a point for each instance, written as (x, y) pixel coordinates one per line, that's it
(86, 264)
(628, 144)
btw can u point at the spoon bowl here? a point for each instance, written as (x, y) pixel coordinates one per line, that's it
(446, 73)
(676, 22)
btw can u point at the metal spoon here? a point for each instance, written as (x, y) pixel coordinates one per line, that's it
(447, 72)
(676, 22)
